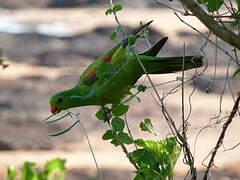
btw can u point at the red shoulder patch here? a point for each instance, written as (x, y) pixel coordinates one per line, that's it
(91, 75)
(108, 59)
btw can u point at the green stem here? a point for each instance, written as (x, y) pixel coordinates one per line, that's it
(116, 19)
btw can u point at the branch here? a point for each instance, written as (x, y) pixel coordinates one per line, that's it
(107, 117)
(225, 34)
(221, 137)
(207, 38)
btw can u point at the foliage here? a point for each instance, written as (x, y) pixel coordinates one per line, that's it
(114, 9)
(154, 159)
(53, 170)
(213, 5)
(237, 72)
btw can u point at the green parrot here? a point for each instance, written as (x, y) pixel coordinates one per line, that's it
(109, 79)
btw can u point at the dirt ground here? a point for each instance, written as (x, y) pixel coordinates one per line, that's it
(43, 64)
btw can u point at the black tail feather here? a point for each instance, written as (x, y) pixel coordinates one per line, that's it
(172, 64)
(139, 30)
(136, 33)
(153, 51)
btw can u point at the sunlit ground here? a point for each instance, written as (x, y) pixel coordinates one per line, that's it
(43, 64)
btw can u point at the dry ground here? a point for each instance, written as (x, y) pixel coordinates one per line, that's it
(26, 87)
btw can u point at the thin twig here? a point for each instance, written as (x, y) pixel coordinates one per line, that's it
(232, 147)
(219, 47)
(224, 34)
(124, 149)
(221, 137)
(183, 73)
(89, 143)
(129, 131)
(174, 9)
(116, 19)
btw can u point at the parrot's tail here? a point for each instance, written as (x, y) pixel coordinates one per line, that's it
(161, 65)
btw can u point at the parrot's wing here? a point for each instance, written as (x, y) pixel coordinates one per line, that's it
(153, 51)
(90, 74)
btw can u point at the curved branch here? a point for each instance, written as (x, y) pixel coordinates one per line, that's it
(225, 34)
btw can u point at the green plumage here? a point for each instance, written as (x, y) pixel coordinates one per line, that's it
(111, 76)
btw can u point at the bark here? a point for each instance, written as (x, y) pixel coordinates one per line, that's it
(223, 33)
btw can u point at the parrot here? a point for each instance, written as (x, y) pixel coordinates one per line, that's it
(109, 79)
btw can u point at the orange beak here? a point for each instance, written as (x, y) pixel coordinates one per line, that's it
(55, 110)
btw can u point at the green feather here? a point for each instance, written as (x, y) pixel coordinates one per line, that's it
(114, 79)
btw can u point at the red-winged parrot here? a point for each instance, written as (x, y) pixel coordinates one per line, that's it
(109, 79)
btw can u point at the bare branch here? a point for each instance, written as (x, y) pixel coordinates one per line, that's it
(207, 38)
(221, 137)
(225, 34)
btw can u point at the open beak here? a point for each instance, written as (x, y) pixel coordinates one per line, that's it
(55, 110)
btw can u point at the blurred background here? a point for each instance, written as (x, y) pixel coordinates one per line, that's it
(49, 43)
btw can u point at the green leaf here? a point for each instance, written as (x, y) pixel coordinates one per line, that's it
(117, 7)
(100, 114)
(213, 5)
(138, 177)
(115, 142)
(120, 110)
(144, 156)
(108, 11)
(118, 29)
(167, 151)
(124, 138)
(151, 174)
(108, 135)
(12, 173)
(118, 124)
(238, 5)
(147, 125)
(157, 158)
(141, 88)
(29, 171)
(140, 142)
(55, 168)
(113, 35)
(236, 72)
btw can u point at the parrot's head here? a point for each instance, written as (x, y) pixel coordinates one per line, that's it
(70, 98)
(62, 101)
(59, 102)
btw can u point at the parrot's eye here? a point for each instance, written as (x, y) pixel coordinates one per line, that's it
(59, 100)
